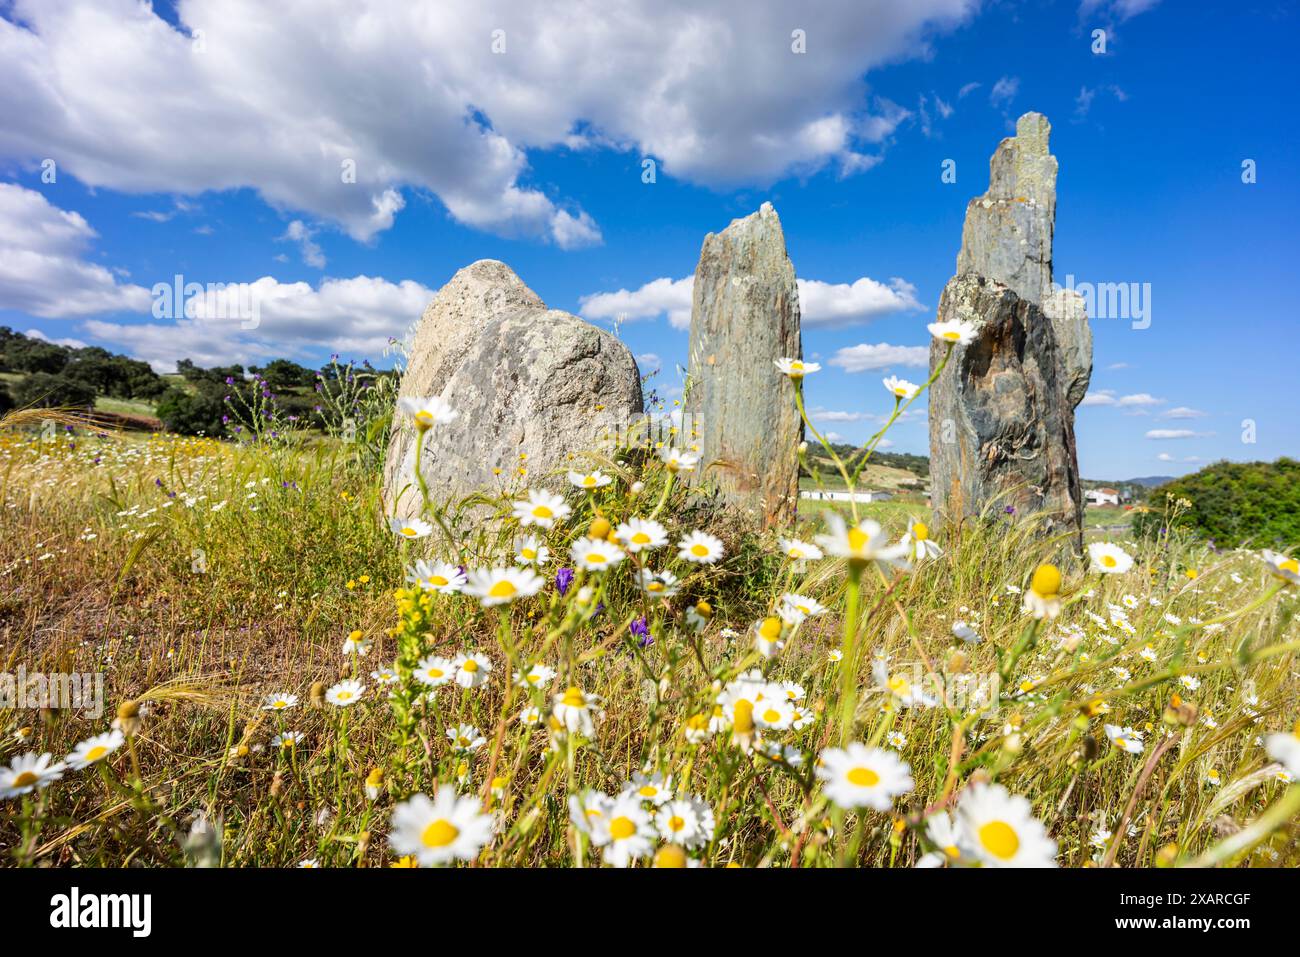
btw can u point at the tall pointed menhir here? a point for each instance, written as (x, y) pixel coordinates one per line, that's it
(1002, 412)
(744, 316)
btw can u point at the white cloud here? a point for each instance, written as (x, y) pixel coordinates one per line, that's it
(842, 304)
(412, 96)
(832, 415)
(356, 316)
(1176, 434)
(866, 357)
(664, 296)
(820, 303)
(298, 232)
(1183, 412)
(69, 342)
(1108, 397)
(43, 271)
(967, 88)
(1110, 10)
(1166, 457)
(649, 362)
(1004, 91)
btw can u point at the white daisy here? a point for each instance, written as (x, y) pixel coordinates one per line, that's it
(434, 671)
(27, 773)
(279, 702)
(799, 551)
(1283, 567)
(445, 828)
(1043, 597)
(1002, 829)
(1285, 748)
(500, 586)
(576, 711)
(1126, 739)
(1109, 559)
(700, 547)
(860, 543)
(589, 809)
(625, 834)
(959, 331)
(679, 461)
(541, 508)
(774, 714)
(589, 480)
(466, 738)
(594, 555)
(426, 412)
(345, 693)
(641, 534)
(794, 607)
(965, 632)
(95, 749)
(917, 542)
(472, 669)
(410, 527)
(530, 550)
(796, 368)
(658, 584)
(900, 388)
(687, 822)
(442, 577)
(537, 676)
(859, 776)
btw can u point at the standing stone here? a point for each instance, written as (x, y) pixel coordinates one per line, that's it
(1002, 412)
(744, 316)
(524, 380)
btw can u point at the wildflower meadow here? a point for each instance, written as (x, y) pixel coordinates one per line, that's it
(603, 667)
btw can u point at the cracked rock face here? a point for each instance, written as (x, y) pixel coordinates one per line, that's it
(1002, 413)
(523, 379)
(744, 316)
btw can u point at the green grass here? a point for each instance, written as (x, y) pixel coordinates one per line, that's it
(199, 577)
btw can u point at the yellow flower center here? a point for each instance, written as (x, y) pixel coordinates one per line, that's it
(574, 698)
(640, 538)
(857, 539)
(97, 752)
(999, 839)
(25, 779)
(647, 790)
(952, 335)
(589, 480)
(771, 716)
(621, 828)
(434, 672)
(1109, 561)
(438, 580)
(699, 550)
(1290, 565)
(920, 531)
(502, 589)
(863, 777)
(439, 834)
(770, 628)
(952, 851)
(409, 532)
(1046, 581)
(344, 695)
(744, 719)
(424, 417)
(542, 511)
(596, 558)
(470, 665)
(655, 586)
(529, 553)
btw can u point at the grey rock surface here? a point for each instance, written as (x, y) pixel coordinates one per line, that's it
(1001, 431)
(1002, 412)
(744, 316)
(1008, 234)
(523, 379)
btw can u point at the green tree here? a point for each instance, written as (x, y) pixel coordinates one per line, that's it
(1235, 503)
(42, 390)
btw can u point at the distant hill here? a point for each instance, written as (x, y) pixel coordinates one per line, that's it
(1149, 481)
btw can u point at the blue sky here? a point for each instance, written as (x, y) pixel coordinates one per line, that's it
(206, 140)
